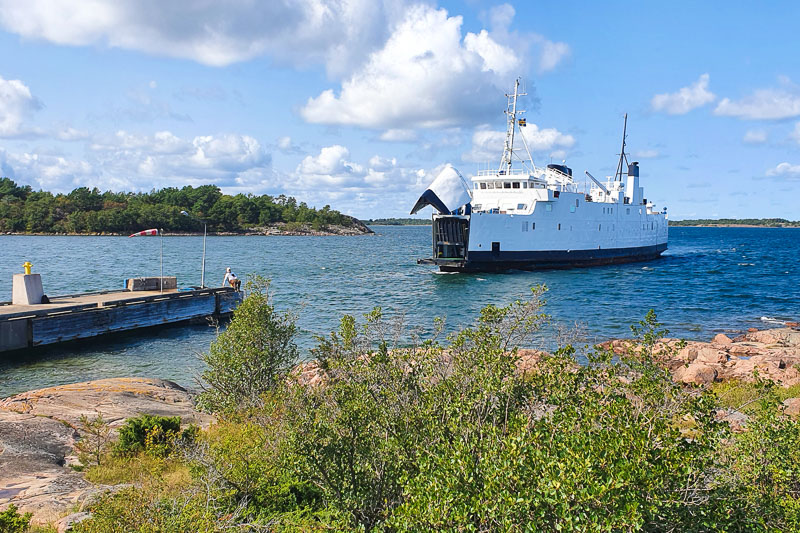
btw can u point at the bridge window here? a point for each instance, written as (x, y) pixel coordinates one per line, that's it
(490, 185)
(483, 185)
(522, 206)
(515, 185)
(524, 184)
(506, 184)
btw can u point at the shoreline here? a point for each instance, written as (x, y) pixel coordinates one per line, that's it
(730, 226)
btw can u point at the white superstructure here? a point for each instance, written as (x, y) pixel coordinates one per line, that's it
(523, 216)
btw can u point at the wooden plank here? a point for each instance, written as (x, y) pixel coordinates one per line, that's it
(49, 330)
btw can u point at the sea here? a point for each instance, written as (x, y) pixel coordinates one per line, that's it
(710, 280)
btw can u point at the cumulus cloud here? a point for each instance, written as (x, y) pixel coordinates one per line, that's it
(785, 170)
(127, 161)
(425, 75)
(54, 172)
(755, 137)
(335, 33)
(16, 105)
(487, 145)
(380, 184)
(685, 99)
(545, 54)
(764, 104)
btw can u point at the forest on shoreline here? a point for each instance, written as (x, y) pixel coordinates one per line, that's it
(90, 211)
(739, 222)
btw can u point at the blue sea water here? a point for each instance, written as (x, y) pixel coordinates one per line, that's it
(710, 280)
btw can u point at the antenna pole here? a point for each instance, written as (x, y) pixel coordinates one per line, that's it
(622, 155)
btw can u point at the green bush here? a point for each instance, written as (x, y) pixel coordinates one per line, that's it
(252, 355)
(456, 434)
(153, 434)
(13, 522)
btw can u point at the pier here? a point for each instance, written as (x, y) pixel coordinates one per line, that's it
(81, 316)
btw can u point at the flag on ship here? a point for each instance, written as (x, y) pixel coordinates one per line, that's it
(144, 233)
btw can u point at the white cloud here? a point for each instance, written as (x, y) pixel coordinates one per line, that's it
(398, 135)
(785, 170)
(764, 104)
(552, 53)
(755, 137)
(547, 54)
(336, 33)
(54, 172)
(686, 99)
(426, 75)
(126, 161)
(487, 145)
(380, 185)
(16, 105)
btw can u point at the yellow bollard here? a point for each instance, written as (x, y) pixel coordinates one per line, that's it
(27, 266)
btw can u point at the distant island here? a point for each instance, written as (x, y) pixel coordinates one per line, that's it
(739, 222)
(87, 211)
(398, 222)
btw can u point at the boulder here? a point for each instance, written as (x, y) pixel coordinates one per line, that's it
(697, 373)
(721, 338)
(38, 430)
(736, 420)
(791, 407)
(66, 523)
(116, 399)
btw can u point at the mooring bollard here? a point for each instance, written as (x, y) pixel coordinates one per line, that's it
(27, 266)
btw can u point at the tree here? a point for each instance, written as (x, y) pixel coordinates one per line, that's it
(252, 355)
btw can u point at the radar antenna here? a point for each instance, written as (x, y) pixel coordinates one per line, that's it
(622, 156)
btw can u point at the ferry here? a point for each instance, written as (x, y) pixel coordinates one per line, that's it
(520, 216)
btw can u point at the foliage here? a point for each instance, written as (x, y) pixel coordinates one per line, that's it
(153, 434)
(765, 222)
(252, 355)
(386, 433)
(10, 519)
(87, 210)
(95, 441)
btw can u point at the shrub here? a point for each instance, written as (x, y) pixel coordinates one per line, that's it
(153, 434)
(94, 444)
(13, 522)
(251, 356)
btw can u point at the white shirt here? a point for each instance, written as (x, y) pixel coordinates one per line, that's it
(228, 277)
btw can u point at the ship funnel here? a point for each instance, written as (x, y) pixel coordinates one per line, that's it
(633, 169)
(446, 194)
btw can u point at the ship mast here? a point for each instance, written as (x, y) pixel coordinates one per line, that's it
(511, 119)
(622, 156)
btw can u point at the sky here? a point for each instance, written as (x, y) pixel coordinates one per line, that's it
(358, 104)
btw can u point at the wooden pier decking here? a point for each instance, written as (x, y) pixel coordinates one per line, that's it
(87, 315)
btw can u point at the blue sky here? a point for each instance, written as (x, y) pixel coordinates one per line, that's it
(358, 104)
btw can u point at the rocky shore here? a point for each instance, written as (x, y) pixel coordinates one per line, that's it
(38, 429)
(278, 229)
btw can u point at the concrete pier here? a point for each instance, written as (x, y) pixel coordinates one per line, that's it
(81, 316)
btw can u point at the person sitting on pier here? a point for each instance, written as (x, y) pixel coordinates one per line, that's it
(231, 279)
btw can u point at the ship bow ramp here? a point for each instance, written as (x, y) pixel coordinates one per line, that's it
(446, 194)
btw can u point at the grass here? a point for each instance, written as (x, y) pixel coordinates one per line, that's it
(742, 396)
(140, 469)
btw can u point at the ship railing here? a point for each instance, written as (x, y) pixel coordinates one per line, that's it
(502, 173)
